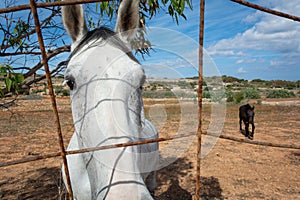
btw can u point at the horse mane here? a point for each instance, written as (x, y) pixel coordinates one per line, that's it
(104, 33)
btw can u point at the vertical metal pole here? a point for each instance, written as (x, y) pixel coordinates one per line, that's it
(52, 95)
(200, 83)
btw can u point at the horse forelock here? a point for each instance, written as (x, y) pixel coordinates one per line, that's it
(105, 34)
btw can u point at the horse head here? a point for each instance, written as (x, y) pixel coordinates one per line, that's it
(105, 82)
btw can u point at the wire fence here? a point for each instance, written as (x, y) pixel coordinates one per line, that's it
(33, 6)
(161, 139)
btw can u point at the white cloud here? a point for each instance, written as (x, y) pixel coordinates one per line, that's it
(249, 60)
(253, 18)
(240, 61)
(281, 63)
(270, 32)
(220, 52)
(241, 70)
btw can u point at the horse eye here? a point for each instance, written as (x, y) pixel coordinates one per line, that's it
(70, 81)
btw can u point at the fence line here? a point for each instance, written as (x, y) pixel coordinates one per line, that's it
(267, 10)
(63, 3)
(48, 4)
(85, 150)
(29, 159)
(248, 141)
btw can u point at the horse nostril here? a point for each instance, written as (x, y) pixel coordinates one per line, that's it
(70, 81)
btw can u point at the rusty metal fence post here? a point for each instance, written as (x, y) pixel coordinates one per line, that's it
(52, 95)
(200, 83)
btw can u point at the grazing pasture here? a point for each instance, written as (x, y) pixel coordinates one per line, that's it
(231, 170)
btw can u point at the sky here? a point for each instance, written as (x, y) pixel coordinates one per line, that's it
(238, 41)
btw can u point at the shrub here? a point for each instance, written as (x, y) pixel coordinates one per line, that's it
(36, 91)
(65, 92)
(158, 94)
(153, 88)
(251, 94)
(59, 90)
(217, 95)
(280, 94)
(205, 94)
(229, 96)
(239, 96)
(184, 84)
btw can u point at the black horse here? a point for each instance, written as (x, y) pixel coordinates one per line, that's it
(246, 113)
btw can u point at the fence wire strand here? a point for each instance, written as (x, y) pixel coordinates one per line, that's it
(226, 137)
(85, 150)
(48, 4)
(267, 10)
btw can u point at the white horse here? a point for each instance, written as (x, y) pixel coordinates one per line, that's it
(105, 82)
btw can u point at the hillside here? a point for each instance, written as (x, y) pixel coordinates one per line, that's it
(217, 88)
(214, 88)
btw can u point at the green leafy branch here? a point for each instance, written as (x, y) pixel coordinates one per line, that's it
(176, 8)
(9, 81)
(15, 39)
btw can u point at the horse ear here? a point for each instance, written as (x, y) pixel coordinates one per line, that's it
(74, 21)
(128, 19)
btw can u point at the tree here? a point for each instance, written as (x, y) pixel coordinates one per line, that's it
(20, 48)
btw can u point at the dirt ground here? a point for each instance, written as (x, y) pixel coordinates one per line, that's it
(231, 170)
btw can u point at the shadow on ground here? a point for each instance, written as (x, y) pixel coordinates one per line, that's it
(243, 132)
(44, 183)
(295, 157)
(182, 171)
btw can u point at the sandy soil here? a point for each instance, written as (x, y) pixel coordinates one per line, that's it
(231, 170)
